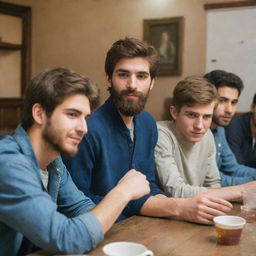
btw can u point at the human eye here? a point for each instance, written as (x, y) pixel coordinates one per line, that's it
(142, 76)
(191, 115)
(122, 74)
(72, 114)
(234, 102)
(207, 117)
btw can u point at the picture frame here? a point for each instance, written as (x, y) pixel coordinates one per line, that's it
(166, 35)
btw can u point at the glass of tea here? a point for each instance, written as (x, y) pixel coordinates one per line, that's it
(229, 229)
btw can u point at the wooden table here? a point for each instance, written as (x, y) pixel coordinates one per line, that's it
(168, 237)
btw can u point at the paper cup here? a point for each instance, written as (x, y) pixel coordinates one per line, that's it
(229, 229)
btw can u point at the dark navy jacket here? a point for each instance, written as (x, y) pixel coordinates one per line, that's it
(239, 137)
(107, 152)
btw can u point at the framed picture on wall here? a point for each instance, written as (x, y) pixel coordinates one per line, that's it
(166, 35)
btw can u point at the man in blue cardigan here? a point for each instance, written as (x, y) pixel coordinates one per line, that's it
(122, 137)
(229, 87)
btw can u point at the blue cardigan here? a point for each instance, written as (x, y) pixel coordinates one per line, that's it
(231, 172)
(107, 152)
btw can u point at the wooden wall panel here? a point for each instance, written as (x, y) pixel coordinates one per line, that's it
(10, 113)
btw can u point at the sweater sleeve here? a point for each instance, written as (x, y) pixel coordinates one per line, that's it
(212, 178)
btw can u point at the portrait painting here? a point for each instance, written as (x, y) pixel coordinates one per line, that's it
(166, 35)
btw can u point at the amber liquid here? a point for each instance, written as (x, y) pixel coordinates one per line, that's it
(228, 237)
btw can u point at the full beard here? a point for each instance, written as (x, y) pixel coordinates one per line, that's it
(50, 135)
(128, 107)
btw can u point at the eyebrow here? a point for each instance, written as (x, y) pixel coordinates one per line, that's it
(127, 71)
(73, 109)
(225, 98)
(196, 113)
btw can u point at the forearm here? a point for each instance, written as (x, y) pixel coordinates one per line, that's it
(201, 208)
(230, 193)
(161, 206)
(108, 210)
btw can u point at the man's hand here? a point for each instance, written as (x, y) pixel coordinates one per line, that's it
(134, 185)
(203, 208)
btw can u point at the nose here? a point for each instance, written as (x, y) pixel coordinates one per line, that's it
(82, 127)
(228, 107)
(199, 123)
(132, 82)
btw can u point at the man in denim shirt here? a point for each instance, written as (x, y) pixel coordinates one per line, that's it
(40, 205)
(229, 87)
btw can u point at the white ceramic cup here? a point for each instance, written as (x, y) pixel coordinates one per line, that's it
(126, 249)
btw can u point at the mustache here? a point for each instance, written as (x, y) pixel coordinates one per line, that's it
(129, 91)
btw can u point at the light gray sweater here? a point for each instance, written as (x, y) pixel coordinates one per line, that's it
(185, 169)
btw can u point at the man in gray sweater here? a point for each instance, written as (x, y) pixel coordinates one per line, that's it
(185, 151)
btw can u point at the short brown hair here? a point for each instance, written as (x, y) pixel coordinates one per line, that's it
(51, 87)
(131, 48)
(193, 90)
(254, 100)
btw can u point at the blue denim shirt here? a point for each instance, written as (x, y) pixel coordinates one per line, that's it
(231, 172)
(56, 220)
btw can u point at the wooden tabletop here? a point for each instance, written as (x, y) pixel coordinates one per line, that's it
(167, 237)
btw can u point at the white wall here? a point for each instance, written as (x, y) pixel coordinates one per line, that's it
(231, 46)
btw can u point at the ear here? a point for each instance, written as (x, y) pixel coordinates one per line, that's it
(109, 81)
(38, 114)
(173, 112)
(152, 84)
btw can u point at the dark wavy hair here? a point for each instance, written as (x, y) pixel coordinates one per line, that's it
(221, 78)
(51, 87)
(131, 48)
(254, 100)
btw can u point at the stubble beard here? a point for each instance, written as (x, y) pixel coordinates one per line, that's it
(217, 120)
(54, 141)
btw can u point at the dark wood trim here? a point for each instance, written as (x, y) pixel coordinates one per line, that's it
(24, 12)
(229, 5)
(10, 114)
(11, 102)
(9, 46)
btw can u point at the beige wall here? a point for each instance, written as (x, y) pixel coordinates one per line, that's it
(10, 31)
(77, 34)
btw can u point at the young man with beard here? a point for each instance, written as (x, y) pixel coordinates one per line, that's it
(229, 87)
(40, 205)
(241, 136)
(122, 136)
(185, 151)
